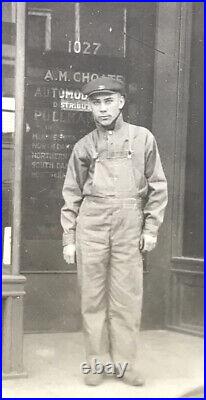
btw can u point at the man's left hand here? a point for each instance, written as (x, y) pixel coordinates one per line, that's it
(147, 242)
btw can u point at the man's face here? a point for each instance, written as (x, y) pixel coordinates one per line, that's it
(106, 107)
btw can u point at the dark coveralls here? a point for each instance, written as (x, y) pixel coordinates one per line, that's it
(114, 190)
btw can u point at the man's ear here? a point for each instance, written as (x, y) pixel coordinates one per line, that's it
(121, 102)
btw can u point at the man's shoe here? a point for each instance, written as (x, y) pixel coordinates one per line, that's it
(93, 379)
(133, 378)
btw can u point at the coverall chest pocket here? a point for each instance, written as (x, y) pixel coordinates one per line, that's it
(126, 179)
(102, 181)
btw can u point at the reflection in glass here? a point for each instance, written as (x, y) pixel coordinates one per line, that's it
(8, 127)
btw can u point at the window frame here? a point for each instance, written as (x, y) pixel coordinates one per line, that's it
(178, 198)
(46, 14)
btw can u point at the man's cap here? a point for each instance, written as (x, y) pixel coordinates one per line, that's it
(103, 85)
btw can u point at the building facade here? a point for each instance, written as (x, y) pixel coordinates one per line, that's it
(49, 51)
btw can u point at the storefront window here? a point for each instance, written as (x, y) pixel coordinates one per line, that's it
(8, 126)
(87, 40)
(103, 26)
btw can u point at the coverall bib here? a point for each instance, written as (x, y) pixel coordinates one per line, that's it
(109, 261)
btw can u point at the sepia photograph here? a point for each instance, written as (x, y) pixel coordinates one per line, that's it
(102, 200)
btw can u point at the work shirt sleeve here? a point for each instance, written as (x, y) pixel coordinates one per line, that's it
(157, 196)
(73, 193)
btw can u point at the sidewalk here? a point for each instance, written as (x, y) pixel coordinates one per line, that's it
(172, 364)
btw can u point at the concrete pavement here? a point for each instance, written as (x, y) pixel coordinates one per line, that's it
(172, 364)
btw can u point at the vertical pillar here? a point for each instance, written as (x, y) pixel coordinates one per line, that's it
(13, 284)
(19, 130)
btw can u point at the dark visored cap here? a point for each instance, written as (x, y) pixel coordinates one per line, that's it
(104, 85)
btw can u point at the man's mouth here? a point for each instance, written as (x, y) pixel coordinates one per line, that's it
(104, 117)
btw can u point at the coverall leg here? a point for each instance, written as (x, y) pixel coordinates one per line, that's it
(126, 284)
(93, 254)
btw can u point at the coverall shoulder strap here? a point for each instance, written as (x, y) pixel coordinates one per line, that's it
(94, 144)
(131, 129)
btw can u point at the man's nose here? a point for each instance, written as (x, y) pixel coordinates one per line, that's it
(102, 107)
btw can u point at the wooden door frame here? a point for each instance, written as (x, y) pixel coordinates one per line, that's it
(171, 97)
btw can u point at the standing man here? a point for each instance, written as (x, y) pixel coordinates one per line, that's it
(115, 195)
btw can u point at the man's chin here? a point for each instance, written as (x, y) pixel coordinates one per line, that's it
(106, 122)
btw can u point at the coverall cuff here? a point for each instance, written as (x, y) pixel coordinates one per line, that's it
(150, 230)
(68, 238)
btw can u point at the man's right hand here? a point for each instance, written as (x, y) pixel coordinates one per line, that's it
(69, 252)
